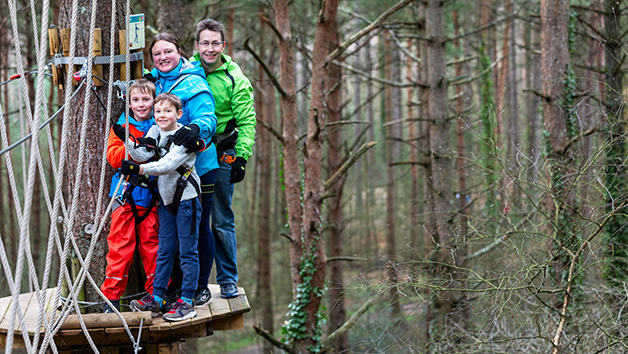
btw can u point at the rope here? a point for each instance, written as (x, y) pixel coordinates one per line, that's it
(35, 164)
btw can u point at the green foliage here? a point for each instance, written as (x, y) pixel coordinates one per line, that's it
(295, 327)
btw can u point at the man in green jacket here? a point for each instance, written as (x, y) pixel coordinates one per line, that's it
(234, 140)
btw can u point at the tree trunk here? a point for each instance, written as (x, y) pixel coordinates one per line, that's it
(265, 112)
(444, 308)
(615, 169)
(174, 16)
(86, 172)
(514, 194)
(337, 308)
(371, 235)
(393, 115)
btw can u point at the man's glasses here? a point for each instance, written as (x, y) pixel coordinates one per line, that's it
(214, 44)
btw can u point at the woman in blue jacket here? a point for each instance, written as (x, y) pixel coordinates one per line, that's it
(175, 74)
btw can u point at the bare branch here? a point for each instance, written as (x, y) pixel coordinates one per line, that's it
(345, 166)
(478, 30)
(345, 258)
(578, 137)
(274, 341)
(272, 130)
(370, 77)
(375, 24)
(402, 48)
(271, 76)
(326, 344)
(272, 26)
(461, 81)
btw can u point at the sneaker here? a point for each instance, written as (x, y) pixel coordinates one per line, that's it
(181, 311)
(147, 303)
(107, 309)
(172, 295)
(228, 291)
(202, 297)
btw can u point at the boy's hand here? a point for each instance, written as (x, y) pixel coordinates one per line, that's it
(119, 131)
(148, 142)
(129, 168)
(195, 145)
(186, 134)
(238, 169)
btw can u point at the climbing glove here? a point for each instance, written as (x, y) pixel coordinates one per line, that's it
(195, 145)
(148, 143)
(238, 169)
(186, 134)
(129, 168)
(119, 131)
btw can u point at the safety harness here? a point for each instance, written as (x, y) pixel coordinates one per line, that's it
(226, 140)
(182, 181)
(127, 196)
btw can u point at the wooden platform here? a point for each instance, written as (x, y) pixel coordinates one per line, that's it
(106, 330)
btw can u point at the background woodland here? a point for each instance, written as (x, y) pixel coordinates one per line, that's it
(428, 176)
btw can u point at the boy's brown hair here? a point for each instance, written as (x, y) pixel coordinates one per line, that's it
(144, 86)
(170, 98)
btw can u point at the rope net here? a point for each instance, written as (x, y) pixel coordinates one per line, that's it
(61, 240)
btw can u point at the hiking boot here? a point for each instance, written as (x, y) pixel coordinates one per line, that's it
(202, 297)
(107, 309)
(180, 311)
(228, 291)
(147, 303)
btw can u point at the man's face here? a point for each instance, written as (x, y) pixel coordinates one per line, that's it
(210, 47)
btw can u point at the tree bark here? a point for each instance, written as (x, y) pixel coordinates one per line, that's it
(265, 112)
(393, 115)
(337, 308)
(93, 153)
(445, 306)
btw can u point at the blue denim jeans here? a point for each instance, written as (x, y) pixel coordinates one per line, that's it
(181, 229)
(223, 225)
(205, 236)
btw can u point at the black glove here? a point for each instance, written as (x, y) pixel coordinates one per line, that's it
(119, 131)
(195, 145)
(147, 141)
(186, 134)
(129, 168)
(238, 169)
(148, 76)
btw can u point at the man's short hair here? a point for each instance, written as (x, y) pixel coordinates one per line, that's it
(144, 86)
(212, 25)
(170, 98)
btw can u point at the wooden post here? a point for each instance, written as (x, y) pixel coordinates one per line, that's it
(54, 45)
(65, 45)
(97, 69)
(137, 67)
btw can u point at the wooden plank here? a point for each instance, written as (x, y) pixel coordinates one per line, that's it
(54, 45)
(97, 69)
(25, 303)
(103, 320)
(65, 48)
(5, 304)
(229, 323)
(239, 304)
(32, 313)
(122, 41)
(219, 307)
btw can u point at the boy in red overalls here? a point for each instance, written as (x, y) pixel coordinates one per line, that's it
(134, 215)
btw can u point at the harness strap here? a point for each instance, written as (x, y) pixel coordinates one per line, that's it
(128, 196)
(182, 182)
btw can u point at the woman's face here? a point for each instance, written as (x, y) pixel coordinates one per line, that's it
(166, 57)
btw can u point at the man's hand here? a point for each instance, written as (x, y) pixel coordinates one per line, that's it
(119, 131)
(238, 169)
(186, 134)
(195, 145)
(129, 168)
